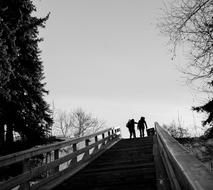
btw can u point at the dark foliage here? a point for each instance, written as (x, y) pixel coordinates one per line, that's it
(208, 109)
(22, 105)
(209, 133)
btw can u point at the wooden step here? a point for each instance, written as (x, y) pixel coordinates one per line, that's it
(129, 164)
(120, 167)
(124, 163)
(126, 156)
(114, 178)
(148, 185)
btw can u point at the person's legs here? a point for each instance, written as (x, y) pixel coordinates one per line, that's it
(130, 133)
(134, 135)
(140, 132)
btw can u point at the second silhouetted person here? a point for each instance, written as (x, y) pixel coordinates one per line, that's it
(141, 126)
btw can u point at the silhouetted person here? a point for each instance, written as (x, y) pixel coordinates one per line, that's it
(141, 126)
(131, 126)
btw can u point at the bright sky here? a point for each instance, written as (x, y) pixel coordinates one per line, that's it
(108, 57)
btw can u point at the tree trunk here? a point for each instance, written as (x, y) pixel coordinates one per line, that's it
(9, 135)
(2, 138)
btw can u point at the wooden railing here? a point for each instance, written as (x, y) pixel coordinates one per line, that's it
(50, 164)
(184, 170)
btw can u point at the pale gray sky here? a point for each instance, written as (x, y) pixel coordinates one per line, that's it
(108, 57)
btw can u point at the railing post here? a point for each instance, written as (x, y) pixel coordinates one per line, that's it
(56, 156)
(86, 154)
(74, 160)
(118, 132)
(48, 160)
(109, 138)
(113, 136)
(96, 147)
(48, 157)
(103, 137)
(25, 168)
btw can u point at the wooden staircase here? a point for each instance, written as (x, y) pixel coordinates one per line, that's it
(104, 161)
(129, 164)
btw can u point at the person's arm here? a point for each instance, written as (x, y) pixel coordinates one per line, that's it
(145, 124)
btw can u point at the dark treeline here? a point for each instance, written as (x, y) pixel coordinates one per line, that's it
(22, 106)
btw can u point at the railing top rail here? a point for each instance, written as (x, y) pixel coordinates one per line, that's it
(19, 156)
(192, 172)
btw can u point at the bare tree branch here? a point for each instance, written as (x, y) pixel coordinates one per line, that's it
(190, 23)
(77, 123)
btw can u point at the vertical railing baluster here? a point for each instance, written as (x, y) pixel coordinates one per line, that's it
(74, 160)
(103, 137)
(48, 160)
(113, 136)
(109, 138)
(96, 146)
(56, 156)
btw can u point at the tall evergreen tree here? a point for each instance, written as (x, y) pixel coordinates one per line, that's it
(208, 109)
(22, 100)
(8, 54)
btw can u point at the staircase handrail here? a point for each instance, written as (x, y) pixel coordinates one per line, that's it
(92, 145)
(185, 171)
